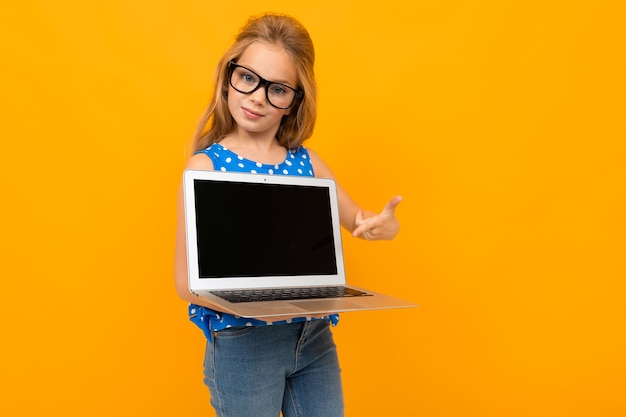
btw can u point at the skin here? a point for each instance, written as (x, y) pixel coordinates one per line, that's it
(254, 139)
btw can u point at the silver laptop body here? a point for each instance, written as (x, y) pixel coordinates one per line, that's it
(257, 232)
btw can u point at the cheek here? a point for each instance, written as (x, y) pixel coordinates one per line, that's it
(282, 114)
(231, 99)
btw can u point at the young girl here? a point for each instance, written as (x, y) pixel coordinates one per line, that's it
(263, 109)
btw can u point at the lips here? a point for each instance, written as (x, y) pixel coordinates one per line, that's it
(251, 114)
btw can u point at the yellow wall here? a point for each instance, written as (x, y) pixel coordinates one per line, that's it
(501, 123)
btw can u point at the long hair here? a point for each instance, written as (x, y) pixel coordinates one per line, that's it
(294, 38)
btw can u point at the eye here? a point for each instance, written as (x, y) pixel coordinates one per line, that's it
(278, 89)
(246, 76)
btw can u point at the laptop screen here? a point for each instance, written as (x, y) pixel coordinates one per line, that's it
(247, 229)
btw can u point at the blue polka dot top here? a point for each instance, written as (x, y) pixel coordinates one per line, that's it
(298, 163)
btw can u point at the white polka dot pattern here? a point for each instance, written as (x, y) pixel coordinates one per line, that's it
(297, 162)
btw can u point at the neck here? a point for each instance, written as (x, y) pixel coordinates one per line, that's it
(259, 148)
(261, 142)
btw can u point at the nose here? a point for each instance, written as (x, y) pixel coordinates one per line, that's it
(259, 95)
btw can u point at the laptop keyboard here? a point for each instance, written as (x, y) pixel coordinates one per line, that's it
(299, 293)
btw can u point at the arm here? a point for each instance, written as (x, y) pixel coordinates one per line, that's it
(361, 223)
(180, 260)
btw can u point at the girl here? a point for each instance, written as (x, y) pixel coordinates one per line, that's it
(263, 109)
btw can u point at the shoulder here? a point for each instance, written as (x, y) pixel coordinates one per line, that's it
(200, 161)
(319, 166)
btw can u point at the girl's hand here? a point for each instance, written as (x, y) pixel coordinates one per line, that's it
(383, 226)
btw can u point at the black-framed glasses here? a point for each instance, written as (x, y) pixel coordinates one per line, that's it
(247, 81)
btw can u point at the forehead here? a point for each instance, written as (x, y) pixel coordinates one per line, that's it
(270, 61)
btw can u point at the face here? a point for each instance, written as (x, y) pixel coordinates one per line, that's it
(252, 112)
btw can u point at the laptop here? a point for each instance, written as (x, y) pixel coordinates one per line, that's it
(269, 245)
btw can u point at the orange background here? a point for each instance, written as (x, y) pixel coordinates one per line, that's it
(501, 123)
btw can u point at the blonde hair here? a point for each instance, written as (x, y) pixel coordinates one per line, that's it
(276, 29)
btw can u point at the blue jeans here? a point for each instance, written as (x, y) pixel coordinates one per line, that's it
(259, 371)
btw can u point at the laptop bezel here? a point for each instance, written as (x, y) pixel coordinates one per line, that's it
(207, 284)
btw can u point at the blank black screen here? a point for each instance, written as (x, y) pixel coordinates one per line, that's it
(259, 229)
